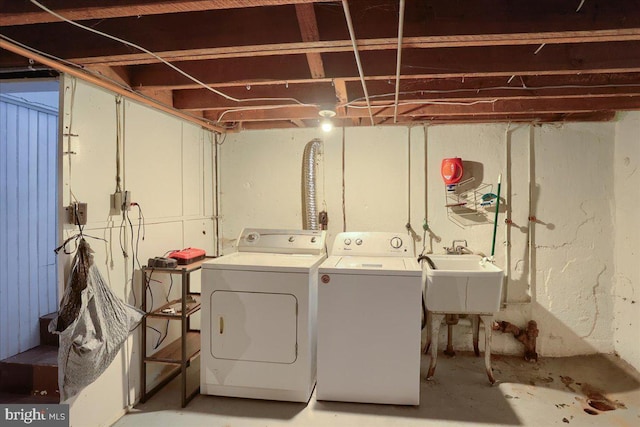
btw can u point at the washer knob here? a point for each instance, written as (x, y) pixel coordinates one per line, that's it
(358, 241)
(313, 239)
(291, 239)
(396, 242)
(347, 242)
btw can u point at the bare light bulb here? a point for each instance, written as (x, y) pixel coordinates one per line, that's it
(326, 125)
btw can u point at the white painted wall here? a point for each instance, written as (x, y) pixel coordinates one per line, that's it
(168, 167)
(626, 292)
(568, 289)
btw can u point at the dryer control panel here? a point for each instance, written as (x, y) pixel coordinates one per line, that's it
(311, 242)
(372, 243)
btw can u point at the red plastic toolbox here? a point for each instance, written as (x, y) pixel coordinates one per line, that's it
(187, 255)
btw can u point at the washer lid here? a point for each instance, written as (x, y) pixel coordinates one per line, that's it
(251, 261)
(381, 266)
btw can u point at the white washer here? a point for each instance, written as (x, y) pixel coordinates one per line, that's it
(259, 308)
(369, 320)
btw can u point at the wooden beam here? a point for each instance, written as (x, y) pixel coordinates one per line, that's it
(309, 32)
(515, 107)
(105, 84)
(78, 10)
(597, 116)
(162, 96)
(276, 124)
(460, 63)
(203, 99)
(118, 75)
(340, 87)
(299, 123)
(529, 107)
(317, 47)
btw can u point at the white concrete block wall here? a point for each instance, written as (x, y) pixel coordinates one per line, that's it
(568, 290)
(626, 292)
(168, 167)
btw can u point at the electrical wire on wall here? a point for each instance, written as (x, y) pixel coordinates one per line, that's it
(408, 225)
(119, 118)
(425, 223)
(414, 236)
(218, 201)
(507, 228)
(344, 210)
(69, 131)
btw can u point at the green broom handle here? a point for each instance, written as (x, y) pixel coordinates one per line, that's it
(495, 222)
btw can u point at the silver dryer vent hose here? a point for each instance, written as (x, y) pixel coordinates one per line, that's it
(310, 219)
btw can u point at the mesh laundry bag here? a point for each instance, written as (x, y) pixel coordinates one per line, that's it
(92, 323)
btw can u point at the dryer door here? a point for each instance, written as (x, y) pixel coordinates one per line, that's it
(254, 326)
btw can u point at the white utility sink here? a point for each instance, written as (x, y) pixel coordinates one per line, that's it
(462, 284)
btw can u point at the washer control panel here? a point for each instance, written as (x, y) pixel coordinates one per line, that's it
(371, 243)
(282, 241)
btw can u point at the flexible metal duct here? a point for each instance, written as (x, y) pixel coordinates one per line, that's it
(310, 219)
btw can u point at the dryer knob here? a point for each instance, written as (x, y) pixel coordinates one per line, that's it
(291, 239)
(347, 242)
(358, 242)
(313, 240)
(396, 242)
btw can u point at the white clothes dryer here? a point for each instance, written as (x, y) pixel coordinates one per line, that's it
(259, 307)
(369, 320)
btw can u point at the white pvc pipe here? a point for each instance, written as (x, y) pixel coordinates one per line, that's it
(352, 34)
(398, 60)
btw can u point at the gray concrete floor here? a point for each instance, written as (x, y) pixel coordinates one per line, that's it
(594, 390)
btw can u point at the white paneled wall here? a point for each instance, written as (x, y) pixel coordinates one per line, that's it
(28, 170)
(167, 164)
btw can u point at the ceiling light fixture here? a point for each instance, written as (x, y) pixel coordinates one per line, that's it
(326, 124)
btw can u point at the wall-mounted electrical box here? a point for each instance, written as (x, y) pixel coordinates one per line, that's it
(76, 213)
(119, 201)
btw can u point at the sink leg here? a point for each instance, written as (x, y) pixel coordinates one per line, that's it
(475, 325)
(436, 320)
(449, 351)
(488, 322)
(427, 343)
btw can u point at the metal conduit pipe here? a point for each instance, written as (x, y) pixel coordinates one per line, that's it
(352, 34)
(398, 60)
(309, 157)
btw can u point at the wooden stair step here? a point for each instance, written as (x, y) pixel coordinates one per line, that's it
(32, 372)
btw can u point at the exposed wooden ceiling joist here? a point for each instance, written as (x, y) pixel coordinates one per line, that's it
(316, 47)
(482, 107)
(461, 61)
(24, 13)
(309, 32)
(506, 61)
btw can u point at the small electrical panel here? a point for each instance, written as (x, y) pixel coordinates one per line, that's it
(77, 213)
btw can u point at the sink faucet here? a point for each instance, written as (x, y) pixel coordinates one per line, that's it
(458, 247)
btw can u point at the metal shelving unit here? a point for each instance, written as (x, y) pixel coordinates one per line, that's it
(185, 348)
